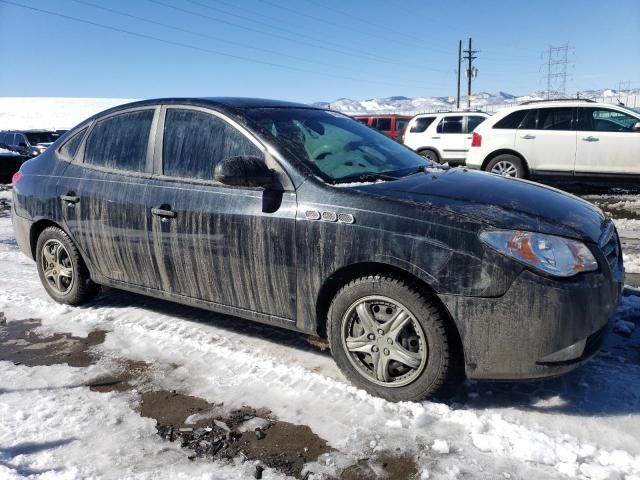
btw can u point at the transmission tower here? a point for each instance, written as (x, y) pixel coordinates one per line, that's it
(557, 60)
(624, 86)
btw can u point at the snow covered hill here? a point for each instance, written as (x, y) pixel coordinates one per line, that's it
(21, 113)
(483, 100)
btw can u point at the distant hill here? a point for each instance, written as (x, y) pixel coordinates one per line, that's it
(426, 104)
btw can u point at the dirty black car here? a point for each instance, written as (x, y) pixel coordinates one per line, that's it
(305, 219)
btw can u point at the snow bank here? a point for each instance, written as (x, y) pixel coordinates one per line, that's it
(50, 112)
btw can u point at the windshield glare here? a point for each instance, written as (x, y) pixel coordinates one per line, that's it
(334, 146)
(42, 137)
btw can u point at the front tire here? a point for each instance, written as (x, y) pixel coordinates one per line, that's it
(507, 165)
(390, 339)
(62, 271)
(430, 155)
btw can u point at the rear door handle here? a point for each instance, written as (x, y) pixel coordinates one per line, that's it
(590, 139)
(160, 212)
(70, 198)
(528, 136)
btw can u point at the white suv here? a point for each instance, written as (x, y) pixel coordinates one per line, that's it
(443, 137)
(562, 139)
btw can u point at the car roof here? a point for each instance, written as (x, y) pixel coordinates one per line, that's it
(235, 103)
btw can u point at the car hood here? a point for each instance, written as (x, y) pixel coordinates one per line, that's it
(505, 203)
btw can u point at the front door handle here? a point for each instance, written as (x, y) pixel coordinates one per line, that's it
(528, 136)
(70, 198)
(590, 139)
(435, 138)
(161, 212)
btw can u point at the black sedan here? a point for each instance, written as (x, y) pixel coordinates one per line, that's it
(303, 218)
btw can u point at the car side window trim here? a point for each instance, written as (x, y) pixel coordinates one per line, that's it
(149, 160)
(270, 159)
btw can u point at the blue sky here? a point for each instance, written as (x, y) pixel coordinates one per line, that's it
(308, 50)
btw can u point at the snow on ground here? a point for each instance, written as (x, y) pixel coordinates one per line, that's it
(21, 113)
(583, 425)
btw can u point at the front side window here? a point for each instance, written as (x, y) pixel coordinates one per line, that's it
(334, 146)
(452, 124)
(473, 122)
(421, 124)
(605, 120)
(195, 142)
(20, 141)
(120, 142)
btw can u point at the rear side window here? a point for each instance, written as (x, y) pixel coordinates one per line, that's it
(473, 122)
(120, 142)
(513, 120)
(382, 124)
(363, 120)
(550, 119)
(70, 147)
(421, 124)
(195, 142)
(451, 124)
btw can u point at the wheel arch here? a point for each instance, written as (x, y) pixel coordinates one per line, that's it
(506, 151)
(36, 229)
(345, 274)
(433, 149)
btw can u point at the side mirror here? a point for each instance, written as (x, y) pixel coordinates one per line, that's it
(635, 127)
(244, 171)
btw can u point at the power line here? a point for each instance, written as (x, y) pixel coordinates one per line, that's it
(212, 37)
(319, 44)
(192, 47)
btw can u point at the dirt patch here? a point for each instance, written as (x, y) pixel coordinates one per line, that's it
(20, 344)
(384, 466)
(130, 375)
(246, 433)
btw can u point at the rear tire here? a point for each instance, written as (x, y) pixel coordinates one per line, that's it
(430, 155)
(62, 271)
(507, 165)
(390, 339)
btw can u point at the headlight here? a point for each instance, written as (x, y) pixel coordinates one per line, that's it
(549, 254)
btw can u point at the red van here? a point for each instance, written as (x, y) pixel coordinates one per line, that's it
(391, 125)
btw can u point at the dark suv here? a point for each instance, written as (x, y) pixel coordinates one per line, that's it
(29, 143)
(306, 219)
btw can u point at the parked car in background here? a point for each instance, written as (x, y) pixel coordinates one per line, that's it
(443, 137)
(10, 163)
(29, 143)
(305, 219)
(560, 139)
(391, 125)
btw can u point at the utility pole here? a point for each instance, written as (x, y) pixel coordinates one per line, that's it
(557, 59)
(471, 70)
(459, 68)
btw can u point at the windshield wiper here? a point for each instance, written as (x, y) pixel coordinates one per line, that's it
(364, 177)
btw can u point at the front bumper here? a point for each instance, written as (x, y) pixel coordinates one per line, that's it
(514, 336)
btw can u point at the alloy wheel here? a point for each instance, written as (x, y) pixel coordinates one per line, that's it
(384, 341)
(57, 267)
(505, 169)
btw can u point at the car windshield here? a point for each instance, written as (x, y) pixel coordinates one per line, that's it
(42, 137)
(336, 147)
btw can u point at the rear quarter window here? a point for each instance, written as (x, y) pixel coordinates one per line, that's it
(120, 142)
(70, 147)
(513, 120)
(421, 124)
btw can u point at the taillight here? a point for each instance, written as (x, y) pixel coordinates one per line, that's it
(16, 177)
(477, 140)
